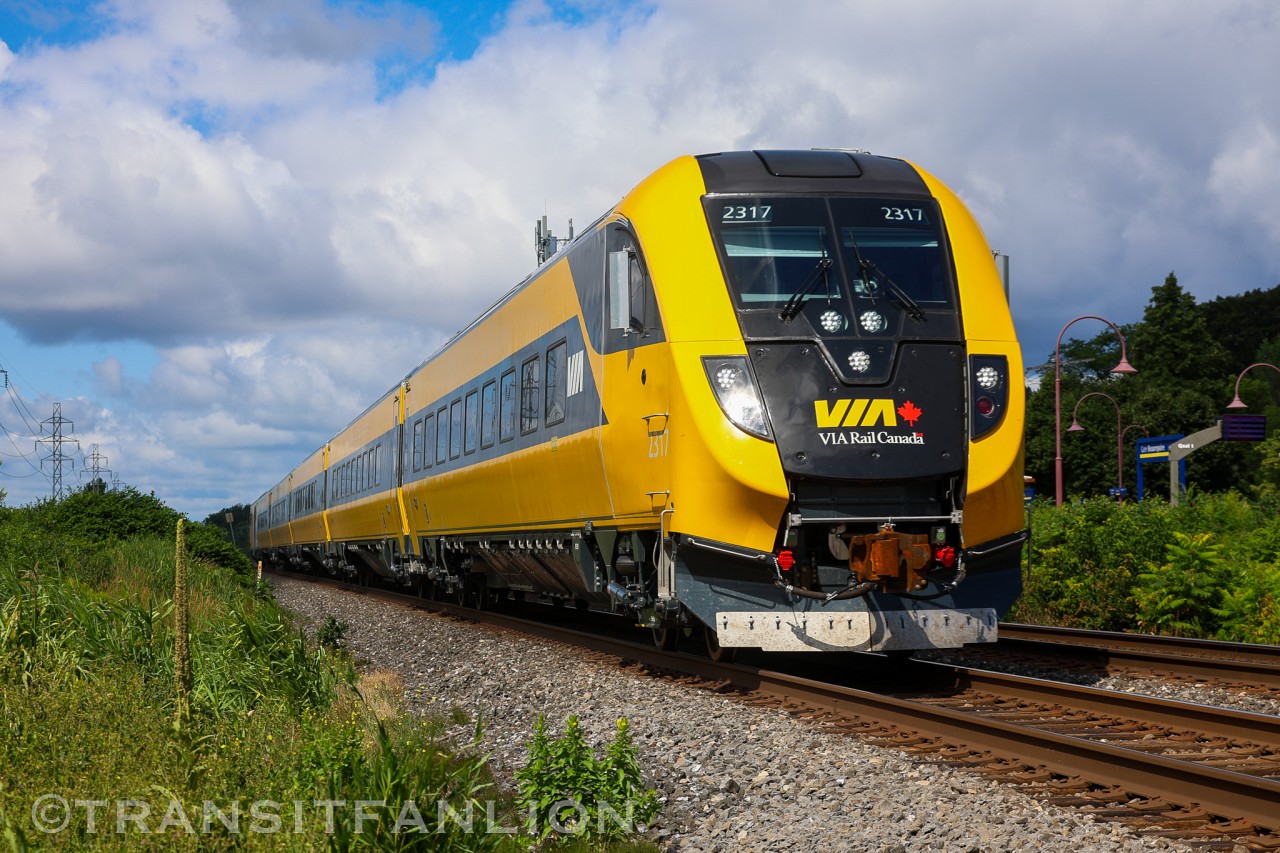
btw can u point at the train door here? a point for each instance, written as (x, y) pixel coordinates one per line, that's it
(636, 424)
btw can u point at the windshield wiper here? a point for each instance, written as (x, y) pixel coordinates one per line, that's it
(872, 272)
(796, 302)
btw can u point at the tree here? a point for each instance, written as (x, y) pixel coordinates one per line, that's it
(1243, 324)
(1179, 388)
(238, 529)
(1183, 385)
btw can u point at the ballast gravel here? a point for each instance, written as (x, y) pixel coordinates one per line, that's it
(732, 777)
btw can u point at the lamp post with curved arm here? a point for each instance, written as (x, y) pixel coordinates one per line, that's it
(1122, 367)
(1075, 427)
(1237, 403)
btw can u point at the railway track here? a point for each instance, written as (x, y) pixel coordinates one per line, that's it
(1192, 772)
(1237, 666)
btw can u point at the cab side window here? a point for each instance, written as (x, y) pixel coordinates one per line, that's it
(632, 306)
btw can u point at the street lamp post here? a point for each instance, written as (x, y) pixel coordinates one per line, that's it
(1237, 403)
(1075, 427)
(1122, 367)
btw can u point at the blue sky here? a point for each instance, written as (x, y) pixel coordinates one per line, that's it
(228, 225)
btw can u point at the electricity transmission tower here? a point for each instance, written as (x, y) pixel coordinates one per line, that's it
(97, 467)
(55, 440)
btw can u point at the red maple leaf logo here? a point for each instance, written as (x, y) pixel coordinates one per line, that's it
(909, 412)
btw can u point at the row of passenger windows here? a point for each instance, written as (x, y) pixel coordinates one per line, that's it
(477, 420)
(358, 473)
(491, 414)
(277, 514)
(304, 499)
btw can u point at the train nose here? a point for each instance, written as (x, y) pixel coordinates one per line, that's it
(909, 425)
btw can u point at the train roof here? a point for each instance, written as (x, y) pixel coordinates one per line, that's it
(815, 170)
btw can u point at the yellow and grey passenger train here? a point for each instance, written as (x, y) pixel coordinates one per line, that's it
(768, 397)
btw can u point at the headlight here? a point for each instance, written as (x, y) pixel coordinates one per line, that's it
(736, 393)
(988, 393)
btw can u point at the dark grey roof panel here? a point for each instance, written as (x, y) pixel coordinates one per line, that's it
(824, 171)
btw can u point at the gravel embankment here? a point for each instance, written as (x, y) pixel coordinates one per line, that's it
(732, 777)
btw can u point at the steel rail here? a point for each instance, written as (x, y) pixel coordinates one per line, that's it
(1222, 792)
(1225, 793)
(1211, 660)
(1262, 729)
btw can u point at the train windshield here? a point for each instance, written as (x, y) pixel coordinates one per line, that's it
(782, 252)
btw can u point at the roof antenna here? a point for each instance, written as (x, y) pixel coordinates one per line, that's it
(545, 243)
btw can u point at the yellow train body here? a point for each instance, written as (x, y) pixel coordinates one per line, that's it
(713, 409)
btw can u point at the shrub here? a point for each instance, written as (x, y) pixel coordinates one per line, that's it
(1178, 597)
(1148, 566)
(331, 632)
(564, 789)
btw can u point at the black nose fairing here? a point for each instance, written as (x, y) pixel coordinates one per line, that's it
(912, 426)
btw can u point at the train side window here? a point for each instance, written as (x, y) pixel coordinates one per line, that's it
(417, 445)
(507, 406)
(529, 395)
(442, 435)
(555, 384)
(455, 429)
(488, 413)
(472, 421)
(428, 440)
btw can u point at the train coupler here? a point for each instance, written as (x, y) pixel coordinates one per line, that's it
(896, 561)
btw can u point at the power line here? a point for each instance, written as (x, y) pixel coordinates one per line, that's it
(13, 440)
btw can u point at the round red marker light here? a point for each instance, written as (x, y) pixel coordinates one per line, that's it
(986, 406)
(785, 560)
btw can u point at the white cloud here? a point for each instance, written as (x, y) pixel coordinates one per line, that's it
(234, 182)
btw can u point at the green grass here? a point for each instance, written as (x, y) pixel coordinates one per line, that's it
(87, 721)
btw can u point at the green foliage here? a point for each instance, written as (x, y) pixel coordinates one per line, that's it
(1243, 323)
(105, 516)
(1084, 558)
(75, 533)
(1178, 597)
(238, 532)
(87, 698)
(332, 631)
(565, 790)
(1209, 567)
(419, 795)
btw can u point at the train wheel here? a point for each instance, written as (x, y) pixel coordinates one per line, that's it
(669, 637)
(715, 651)
(481, 597)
